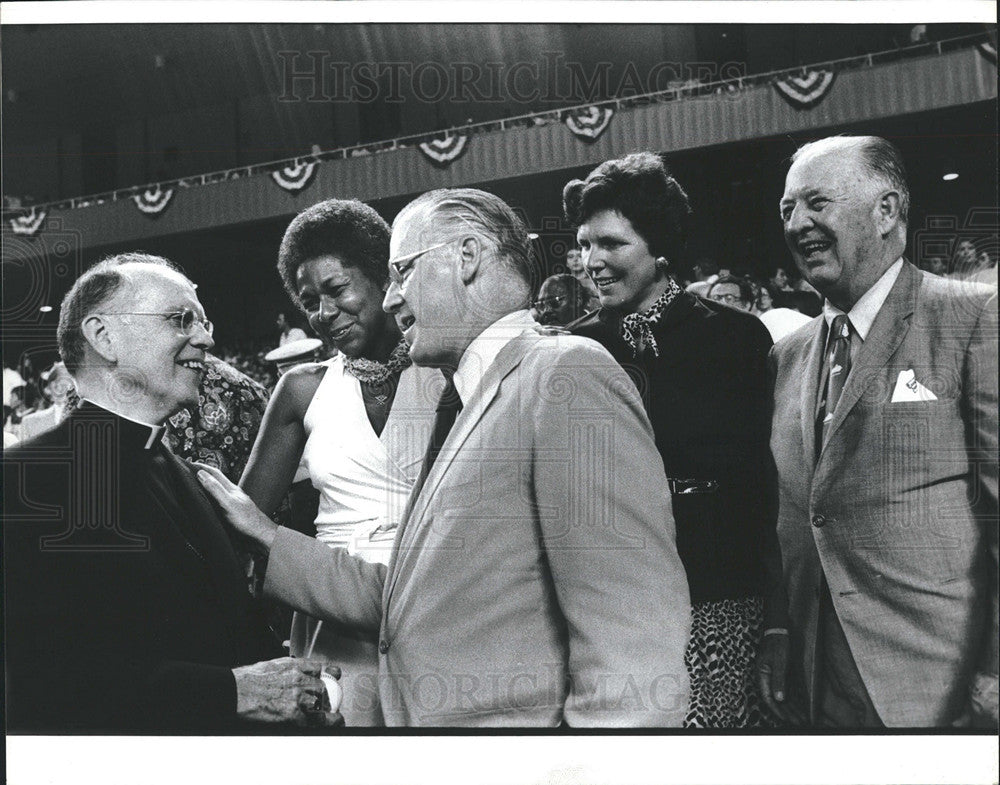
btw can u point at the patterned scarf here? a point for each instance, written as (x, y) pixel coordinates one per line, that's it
(375, 373)
(636, 329)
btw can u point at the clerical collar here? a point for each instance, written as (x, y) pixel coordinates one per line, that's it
(137, 432)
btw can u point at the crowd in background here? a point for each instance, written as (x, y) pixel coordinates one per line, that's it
(560, 301)
(749, 461)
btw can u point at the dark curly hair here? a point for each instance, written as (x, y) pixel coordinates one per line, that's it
(346, 227)
(641, 189)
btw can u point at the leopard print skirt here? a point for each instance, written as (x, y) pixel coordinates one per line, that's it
(720, 659)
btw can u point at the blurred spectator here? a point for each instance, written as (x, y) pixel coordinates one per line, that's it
(561, 300)
(59, 396)
(289, 332)
(732, 291)
(222, 430)
(970, 264)
(293, 353)
(987, 270)
(247, 357)
(705, 273)
(764, 301)
(16, 410)
(11, 381)
(936, 265)
(780, 280)
(574, 265)
(963, 260)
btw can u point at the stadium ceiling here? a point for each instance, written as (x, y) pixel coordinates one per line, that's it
(75, 76)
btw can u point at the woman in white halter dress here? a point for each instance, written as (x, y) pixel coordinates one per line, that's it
(359, 423)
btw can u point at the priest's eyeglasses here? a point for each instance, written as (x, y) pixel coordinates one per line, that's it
(184, 320)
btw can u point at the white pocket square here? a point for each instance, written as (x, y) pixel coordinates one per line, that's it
(909, 389)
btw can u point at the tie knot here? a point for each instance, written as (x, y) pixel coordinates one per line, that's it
(841, 327)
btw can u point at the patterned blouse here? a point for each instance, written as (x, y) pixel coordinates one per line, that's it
(222, 430)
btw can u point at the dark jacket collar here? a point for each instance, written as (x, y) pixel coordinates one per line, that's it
(683, 306)
(132, 436)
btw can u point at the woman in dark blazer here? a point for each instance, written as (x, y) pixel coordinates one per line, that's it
(701, 368)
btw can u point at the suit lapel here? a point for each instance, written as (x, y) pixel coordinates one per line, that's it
(886, 334)
(472, 412)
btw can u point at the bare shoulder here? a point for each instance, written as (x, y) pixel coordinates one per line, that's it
(296, 388)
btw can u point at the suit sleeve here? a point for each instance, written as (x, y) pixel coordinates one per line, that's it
(610, 545)
(324, 582)
(979, 386)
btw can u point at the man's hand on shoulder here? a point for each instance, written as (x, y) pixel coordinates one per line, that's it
(240, 511)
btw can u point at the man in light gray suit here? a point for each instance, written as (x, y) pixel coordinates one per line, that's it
(885, 439)
(534, 579)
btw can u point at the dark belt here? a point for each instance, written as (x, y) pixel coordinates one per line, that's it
(678, 486)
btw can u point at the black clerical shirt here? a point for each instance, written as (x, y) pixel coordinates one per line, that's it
(126, 608)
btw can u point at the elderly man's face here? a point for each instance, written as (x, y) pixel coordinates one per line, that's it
(159, 365)
(425, 292)
(829, 212)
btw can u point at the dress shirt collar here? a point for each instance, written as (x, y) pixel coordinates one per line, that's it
(863, 314)
(480, 354)
(135, 432)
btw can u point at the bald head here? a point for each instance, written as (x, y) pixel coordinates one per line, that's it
(113, 278)
(879, 157)
(844, 214)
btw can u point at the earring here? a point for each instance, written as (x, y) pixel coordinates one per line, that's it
(662, 264)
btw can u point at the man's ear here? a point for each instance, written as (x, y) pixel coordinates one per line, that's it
(470, 252)
(96, 333)
(888, 209)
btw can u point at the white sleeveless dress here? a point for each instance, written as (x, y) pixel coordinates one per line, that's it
(364, 481)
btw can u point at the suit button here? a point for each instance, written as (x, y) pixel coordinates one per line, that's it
(818, 521)
(383, 647)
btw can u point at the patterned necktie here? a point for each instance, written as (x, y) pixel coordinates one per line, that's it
(838, 363)
(449, 405)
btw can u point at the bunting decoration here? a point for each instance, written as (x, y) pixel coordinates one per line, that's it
(589, 123)
(29, 223)
(805, 90)
(154, 201)
(443, 152)
(296, 176)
